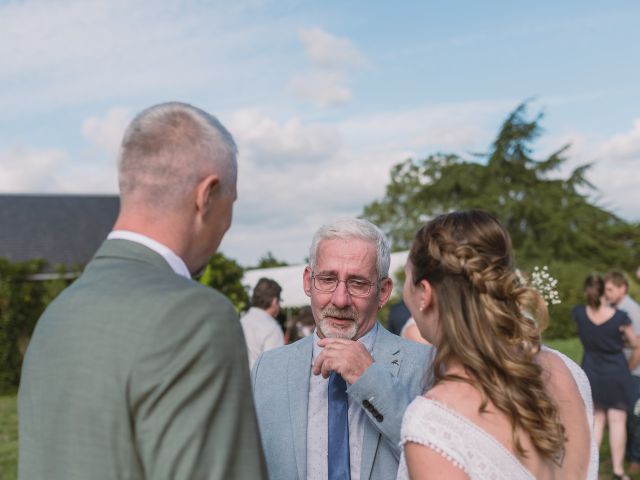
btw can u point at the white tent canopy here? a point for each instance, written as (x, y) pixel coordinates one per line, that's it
(290, 279)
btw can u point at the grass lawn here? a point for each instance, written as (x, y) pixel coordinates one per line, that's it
(571, 347)
(9, 422)
(8, 438)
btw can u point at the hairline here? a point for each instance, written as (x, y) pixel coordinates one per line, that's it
(354, 228)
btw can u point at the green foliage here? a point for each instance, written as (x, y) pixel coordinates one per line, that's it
(269, 261)
(22, 301)
(8, 437)
(225, 275)
(552, 221)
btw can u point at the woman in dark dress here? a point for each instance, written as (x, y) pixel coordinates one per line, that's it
(603, 331)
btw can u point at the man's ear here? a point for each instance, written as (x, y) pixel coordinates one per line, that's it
(206, 190)
(306, 280)
(386, 288)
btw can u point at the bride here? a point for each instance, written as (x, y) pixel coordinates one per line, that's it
(501, 405)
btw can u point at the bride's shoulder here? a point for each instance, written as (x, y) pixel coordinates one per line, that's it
(458, 396)
(563, 377)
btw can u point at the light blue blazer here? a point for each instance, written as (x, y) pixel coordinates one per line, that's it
(280, 379)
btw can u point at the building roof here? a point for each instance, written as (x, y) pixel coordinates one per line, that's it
(61, 229)
(290, 279)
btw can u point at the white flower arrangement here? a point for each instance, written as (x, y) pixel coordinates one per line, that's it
(545, 284)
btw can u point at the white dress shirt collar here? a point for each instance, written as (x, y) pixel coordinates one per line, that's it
(174, 261)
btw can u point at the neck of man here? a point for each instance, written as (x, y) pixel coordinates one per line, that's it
(170, 230)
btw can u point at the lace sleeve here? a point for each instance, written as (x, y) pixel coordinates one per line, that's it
(424, 424)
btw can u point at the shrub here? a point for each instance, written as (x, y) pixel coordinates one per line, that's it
(22, 301)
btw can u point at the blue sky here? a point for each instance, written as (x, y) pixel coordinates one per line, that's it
(322, 97)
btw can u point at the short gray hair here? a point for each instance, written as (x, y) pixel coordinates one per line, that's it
(168, 148)
(348, 228)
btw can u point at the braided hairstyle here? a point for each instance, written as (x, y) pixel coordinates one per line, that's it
(489, 321)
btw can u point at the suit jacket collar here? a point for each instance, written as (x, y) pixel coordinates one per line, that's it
(298, 379)
(386, 351)
(128, 250)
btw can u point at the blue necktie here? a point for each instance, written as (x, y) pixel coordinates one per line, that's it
(339, 468)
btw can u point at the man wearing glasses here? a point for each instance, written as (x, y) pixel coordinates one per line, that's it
(331, 405)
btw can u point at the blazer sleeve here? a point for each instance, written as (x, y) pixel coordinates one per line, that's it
(384, 396)
(190, 398)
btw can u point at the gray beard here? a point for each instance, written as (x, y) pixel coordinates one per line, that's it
(332, 332)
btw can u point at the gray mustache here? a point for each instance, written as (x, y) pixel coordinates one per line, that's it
(346, 314)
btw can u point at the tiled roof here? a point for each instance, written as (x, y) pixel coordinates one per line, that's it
(61, 229)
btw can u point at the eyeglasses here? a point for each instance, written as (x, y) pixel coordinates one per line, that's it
(355, 286)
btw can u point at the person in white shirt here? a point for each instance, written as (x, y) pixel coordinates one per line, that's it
(616, 289)
(261, 331)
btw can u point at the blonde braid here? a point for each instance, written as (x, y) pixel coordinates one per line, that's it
(466, 257)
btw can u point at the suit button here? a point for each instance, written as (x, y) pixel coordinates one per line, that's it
(379, 417)
(366, 403)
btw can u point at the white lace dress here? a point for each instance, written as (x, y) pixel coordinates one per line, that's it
(470, 448)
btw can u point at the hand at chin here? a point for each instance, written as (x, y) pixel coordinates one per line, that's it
(347, 357)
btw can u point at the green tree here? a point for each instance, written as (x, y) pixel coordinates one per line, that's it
(546, 217)
(225, 275)
(552, 221)
(22, 301)
(269, 261)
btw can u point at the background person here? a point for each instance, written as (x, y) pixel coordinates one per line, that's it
(330, 405)
(136, 371)
(261, 330)
(398, 316)
(616, 290)
(603, 330)
(501, 406)
(301, 326)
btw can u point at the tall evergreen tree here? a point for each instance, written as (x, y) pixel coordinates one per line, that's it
(547, 217)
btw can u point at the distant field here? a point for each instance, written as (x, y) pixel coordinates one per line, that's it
(8, 438)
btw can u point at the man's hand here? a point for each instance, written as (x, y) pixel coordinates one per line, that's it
(347, 357)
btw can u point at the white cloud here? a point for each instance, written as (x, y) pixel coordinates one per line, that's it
(106, 133)
(615, 163)
(332, 58)
(329, 51)
(321, 87)
(265, 141)
(65, 53)
(52, 170)
(623, 146)
(25, 169)
(616, 171)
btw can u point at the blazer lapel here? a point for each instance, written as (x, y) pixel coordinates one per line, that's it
(299, 367)
(386, 351)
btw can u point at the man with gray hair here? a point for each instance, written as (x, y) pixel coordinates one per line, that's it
(136, 371)
(331, 404)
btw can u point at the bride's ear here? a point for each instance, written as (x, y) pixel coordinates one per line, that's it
(427, 295)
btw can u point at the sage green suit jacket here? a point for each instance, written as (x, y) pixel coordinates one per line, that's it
(134, 372)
